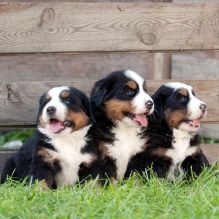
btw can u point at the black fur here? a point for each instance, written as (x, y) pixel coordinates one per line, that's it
(27, 162)
(160, 136)
(112, 86)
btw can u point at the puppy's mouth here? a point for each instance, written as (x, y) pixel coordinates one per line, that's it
(195, 123)
(140, 119)
(57, 126)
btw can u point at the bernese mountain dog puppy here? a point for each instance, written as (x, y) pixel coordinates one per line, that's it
(172, 148)
(57, 152)
(120, 105)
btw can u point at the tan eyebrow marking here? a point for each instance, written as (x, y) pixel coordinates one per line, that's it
(65, 93)
(132, 84)
(48, 97)
(184, 92)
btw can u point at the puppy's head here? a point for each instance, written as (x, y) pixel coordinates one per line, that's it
(63, 110)
(177, 104)
(122, 96)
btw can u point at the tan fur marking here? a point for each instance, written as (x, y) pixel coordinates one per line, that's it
(50, 160)
(43, 185)
(174, 118)
(64, 94)
(48, 97)
(80, 119)
(132, 85)
(144, 147)
(183, 92)
(104, 150)
(115, 108)
(88, 164)
(161, 152)
(46, 156)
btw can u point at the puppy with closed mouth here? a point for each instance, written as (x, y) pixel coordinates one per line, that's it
(120, 106)
(57, 152)
(173, 149)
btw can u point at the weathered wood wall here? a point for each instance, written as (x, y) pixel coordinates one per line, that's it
(64, 67)
(19, 101)
(65, 27)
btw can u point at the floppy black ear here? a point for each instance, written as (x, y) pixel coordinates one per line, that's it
(84, 101)
(101, 91)
(40, 106)
(160, 98)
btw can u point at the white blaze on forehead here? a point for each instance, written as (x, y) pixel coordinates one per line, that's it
(142, 97)
(55, 92)
(135, 77)
(178, 85)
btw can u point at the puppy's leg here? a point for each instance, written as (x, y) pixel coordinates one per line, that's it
(195, 164)
(43, 174)
(44, 169)
(160, 166)
(9, 170)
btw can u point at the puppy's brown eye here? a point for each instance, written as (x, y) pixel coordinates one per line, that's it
(182, 98)
(130, 93)
(66, 100)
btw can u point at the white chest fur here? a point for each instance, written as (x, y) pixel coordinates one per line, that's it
(69, 154)
(127, 143)
(181, 149)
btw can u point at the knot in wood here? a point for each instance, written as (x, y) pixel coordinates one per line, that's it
(147, 38)
(48, 15)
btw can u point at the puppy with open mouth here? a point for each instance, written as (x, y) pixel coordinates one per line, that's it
(57, 152)
(173, 149)
(120, 106)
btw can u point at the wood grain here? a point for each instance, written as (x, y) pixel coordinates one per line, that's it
(64, 67)
(19, 101)
(201, 65)
(210, 150)
(79, 27)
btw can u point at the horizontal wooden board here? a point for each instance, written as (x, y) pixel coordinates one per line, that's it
(64, 67)
(210, 150)
(19, 101)
(201, 65)
(73, 27)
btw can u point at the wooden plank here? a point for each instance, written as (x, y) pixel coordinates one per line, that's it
(64, 67)
(75, 27)
(19, 101)
(161, 66)
(210, 150)
(201, 65)
(210, 130)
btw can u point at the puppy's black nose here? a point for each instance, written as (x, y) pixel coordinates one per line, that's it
(149, 104)
(203, 107)
(51, 110)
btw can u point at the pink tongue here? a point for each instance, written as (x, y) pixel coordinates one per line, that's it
(56, 126)
(141, 118)
(195, 122)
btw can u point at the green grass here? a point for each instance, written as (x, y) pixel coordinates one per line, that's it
(135, 198)
(21, 135)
